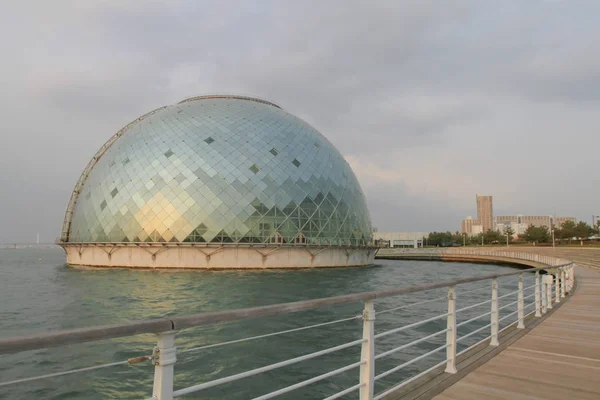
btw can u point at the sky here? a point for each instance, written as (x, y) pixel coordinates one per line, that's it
(429, 101)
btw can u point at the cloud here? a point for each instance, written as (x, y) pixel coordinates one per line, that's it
(430, 103)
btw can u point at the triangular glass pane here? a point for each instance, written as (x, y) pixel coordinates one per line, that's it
(319, 198)
(289, 209)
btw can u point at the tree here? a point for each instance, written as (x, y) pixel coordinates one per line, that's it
(567, 230)
(558, 234)
(476, 239)
(458, 238)
(508, 231)
(441, 239)
(492, 237)
(582, 230)
(538, 234)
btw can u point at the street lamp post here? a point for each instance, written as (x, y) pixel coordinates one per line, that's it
(553, 247)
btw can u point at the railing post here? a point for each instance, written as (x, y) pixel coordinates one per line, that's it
(164, 357)
(538, 312)
(571, 277)
(367, 354)
(494, 314)
(544, 293)
(557, 287)
(549, 283)
(520, 305)
(563, 289)
(451, 334)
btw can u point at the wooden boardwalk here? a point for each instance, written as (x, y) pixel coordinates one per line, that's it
(558, 359)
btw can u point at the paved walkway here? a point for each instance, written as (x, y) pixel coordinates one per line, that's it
(559, 359)
(586, 256)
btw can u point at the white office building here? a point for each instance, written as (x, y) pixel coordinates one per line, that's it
(400, 239)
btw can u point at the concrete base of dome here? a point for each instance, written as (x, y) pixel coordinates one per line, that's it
(213, 256)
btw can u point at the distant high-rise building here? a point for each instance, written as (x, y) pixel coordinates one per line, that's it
(470, 226)
(485, 212)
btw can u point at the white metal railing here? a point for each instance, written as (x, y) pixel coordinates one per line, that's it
(475, 253)
(548, 288)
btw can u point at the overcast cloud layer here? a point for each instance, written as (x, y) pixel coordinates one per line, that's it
(431, 102)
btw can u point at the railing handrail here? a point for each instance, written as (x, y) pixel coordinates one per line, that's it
(81, 335)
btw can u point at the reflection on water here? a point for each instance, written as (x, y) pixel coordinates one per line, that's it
(40, 296)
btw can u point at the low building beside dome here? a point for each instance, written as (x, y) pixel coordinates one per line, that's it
(218, 182)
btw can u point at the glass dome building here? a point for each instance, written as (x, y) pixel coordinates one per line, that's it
(217, 182)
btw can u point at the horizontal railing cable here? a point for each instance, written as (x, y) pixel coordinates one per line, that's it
(404, 346)
(508, 326)
(508, 316)
(409, 380)
(345, 392)
(472, 290)
(531, 295)
(472, 319)
(402, 328)
(302, 328)
(514, 322)
(508, 305)
(411, 305)
(406, 364)
(474, 332)
(508, 294)
(473, 306)
(73, 371)
(529, 313)
(474, 345)
(266, 368)
(309, 381)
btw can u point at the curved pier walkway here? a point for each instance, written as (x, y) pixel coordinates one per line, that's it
(558, 359)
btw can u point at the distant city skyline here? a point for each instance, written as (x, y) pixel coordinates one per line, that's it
(486, 220)
(440, 101)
